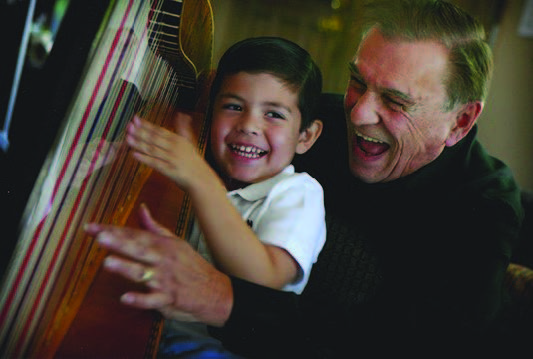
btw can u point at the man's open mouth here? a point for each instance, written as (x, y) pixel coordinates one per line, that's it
(371, 146)
(247, 151)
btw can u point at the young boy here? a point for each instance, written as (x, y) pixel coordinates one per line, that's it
(261, 221)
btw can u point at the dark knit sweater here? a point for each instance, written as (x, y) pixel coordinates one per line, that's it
(417, 260)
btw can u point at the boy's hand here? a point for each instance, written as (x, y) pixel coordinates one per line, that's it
(169, 153)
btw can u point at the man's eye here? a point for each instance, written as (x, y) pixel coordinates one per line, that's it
(395, 105)
(357, 83)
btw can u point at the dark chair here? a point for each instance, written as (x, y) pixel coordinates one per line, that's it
(519, 276)
(523, 253)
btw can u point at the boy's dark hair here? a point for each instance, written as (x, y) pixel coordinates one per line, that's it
(277, 56)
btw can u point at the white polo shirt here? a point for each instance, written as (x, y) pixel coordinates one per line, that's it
(286, 211)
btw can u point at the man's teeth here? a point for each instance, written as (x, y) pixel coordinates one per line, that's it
(248, 151)
(369, 139)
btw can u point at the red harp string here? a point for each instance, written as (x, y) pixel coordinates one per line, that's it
(90, 174)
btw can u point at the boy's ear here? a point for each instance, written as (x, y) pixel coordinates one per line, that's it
(466, 118)
(309, 136)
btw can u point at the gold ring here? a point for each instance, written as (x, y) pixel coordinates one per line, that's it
(147, 275)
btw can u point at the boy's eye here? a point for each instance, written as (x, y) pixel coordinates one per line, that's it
(232, 107)
(274, 114)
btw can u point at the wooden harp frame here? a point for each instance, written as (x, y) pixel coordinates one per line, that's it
(158, 53)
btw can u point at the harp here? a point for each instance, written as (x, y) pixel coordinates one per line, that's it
(148, 56)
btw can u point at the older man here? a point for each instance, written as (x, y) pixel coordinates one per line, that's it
(420, 228)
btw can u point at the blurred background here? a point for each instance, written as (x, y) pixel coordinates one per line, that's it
(328, 30)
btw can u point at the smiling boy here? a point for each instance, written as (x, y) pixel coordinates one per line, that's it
(270, 227)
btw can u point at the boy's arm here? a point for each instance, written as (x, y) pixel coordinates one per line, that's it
(233, 244)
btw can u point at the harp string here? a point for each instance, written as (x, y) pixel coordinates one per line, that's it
(38, 243)
(75, 186)
(73, 210)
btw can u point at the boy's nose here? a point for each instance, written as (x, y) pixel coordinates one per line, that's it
(249, 124)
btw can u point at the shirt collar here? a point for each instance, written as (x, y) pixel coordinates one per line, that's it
(256, 191)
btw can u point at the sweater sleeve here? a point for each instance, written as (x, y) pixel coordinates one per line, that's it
(264, 323)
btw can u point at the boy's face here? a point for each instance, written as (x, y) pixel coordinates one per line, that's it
(255, 127)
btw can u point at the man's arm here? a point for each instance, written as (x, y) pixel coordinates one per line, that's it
(182, 285)
(266, 323)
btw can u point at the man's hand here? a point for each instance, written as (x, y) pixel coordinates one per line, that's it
(182, 284)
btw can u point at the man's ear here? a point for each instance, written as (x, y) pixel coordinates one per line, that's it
(309, 136)
(466, 117)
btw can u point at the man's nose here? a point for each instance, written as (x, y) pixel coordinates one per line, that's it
(365, 111)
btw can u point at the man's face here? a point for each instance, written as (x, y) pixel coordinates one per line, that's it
(394, 107)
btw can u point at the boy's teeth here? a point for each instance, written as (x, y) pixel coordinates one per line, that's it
(248, 151)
